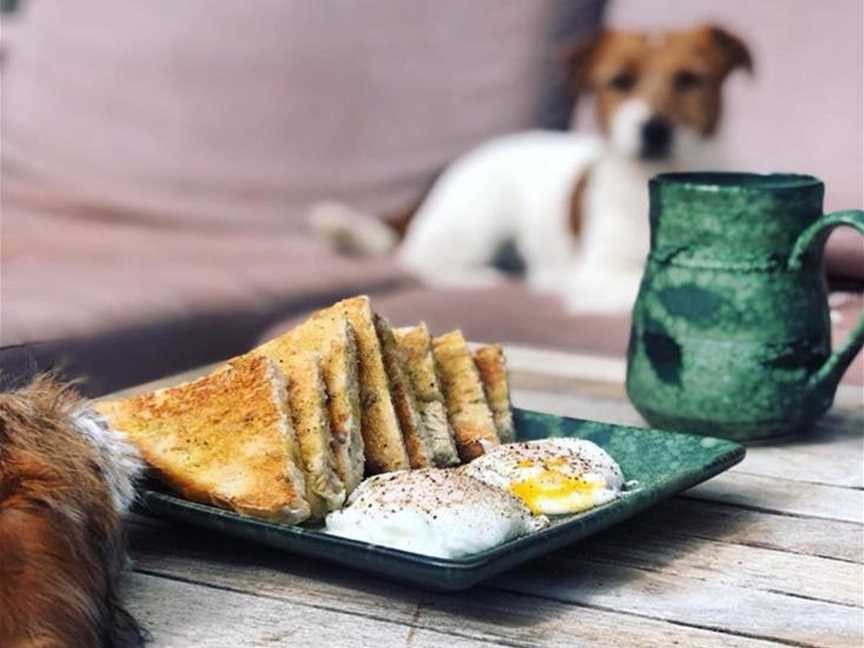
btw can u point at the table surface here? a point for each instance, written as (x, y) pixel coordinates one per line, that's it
(768, 553)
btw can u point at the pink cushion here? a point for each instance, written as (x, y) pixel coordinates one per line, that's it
(68, 276)
(158, 156)
(239, 114)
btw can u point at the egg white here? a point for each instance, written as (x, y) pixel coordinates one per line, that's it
(435, 512)
(551, 476)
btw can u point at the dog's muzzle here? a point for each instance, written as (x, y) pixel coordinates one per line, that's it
(656, 139)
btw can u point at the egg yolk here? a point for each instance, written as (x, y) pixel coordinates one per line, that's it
(553, 492)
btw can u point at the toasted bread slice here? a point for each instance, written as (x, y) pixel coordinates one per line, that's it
(467, 408)
(225, 439)
(414, 431)
(342, 376)
(382, 436)
(333, 338)
(493, 374)
(307, 398)
(416, 346)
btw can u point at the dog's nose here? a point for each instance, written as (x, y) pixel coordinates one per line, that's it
(656, 139)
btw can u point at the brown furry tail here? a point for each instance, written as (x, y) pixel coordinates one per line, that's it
(61, 486)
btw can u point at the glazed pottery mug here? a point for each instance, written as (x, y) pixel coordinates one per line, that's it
(731, 332)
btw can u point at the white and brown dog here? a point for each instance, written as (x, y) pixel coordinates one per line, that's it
(575, 206)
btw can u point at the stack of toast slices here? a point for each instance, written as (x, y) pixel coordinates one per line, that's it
(288, 430)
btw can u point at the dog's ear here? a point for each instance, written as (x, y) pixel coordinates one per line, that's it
(730, 52)
(579, 61)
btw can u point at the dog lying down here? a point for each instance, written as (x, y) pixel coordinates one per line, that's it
(575, 206)
(65, 479)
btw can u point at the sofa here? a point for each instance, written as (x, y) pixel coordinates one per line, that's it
(159, 159)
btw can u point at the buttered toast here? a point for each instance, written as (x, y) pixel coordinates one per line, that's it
(414, 432)
(382, 435)
(415, 342)
(333, 338)
(467, 408)
(288, 430)
(493, 374)
(307, 400)
(225, 439)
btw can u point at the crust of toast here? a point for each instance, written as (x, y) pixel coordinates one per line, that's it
(342, 376)
(382, 436)
(333, 338)
(307, 399)
(492, 366)
(467, 408)
(225, 439)
(402, 391)
(415, 343)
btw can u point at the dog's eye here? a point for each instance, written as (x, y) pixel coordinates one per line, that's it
(623, 82)
(687, 80)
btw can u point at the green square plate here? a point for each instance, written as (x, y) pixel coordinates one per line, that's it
(663, 463)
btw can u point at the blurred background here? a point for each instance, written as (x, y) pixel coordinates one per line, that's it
(158, 157)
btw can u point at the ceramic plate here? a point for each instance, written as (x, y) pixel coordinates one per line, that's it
(663, 463)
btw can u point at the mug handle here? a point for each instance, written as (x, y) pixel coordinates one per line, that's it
(816, 235)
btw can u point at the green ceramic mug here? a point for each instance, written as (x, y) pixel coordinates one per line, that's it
(731, 331)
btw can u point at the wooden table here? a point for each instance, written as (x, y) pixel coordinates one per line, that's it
(769, 553)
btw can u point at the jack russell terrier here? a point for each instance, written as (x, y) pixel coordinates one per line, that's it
(575, 206)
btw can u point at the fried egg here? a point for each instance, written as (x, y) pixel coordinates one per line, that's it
(551, 476)
(435, 512)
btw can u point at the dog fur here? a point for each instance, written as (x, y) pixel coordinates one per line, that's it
(576, 206)
(65, 477)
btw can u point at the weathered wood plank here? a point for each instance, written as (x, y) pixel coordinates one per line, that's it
(563, 364)
(690, 518)
(578, 405)
(769, 570)
(671, 593)
(247, 602)
(706, 604)
(786, 496)
(833, 462)
(179, 614)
